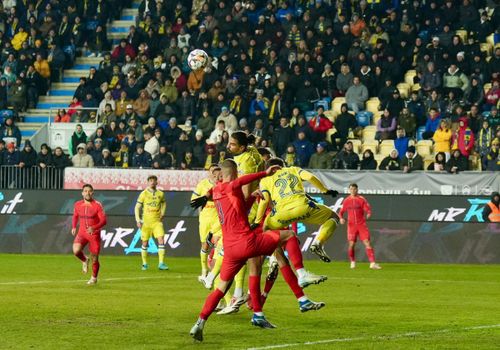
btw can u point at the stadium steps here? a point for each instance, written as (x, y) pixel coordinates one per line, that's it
(61, 93)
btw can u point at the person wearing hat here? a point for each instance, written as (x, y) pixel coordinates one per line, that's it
(9, 132)
(106, 160)
(229, 119)
(394, 104)
(321, 159)
(455, 80)
(347, 158)
(81, 159)
(28, 157)
(11, 156)
(412, 161)
(141, 159)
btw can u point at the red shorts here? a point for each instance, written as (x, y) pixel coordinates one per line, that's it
(361, 230)
(93, 240)
(259, 244)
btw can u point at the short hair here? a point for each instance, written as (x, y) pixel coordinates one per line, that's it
(88, 186)
(263, 151)
(228, 165)
(353, 185)
(275, 161)
(152, 177)
(213, 167)
(242, 138)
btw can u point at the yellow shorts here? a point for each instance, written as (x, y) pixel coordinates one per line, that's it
(308, 212)
(208, 225)
(154, 229)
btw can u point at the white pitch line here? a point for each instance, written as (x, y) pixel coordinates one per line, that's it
(412, 280)
(74, 281)
(382, 337)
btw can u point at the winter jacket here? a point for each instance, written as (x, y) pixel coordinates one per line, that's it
(346, 160)
(304, 150)
(320, 161)
(82, 161)
(401, 144)
(461, 163)
(432, 124)
(415, 163)
(455, 80)
(442, 140)
(142, 160)
(357, 95)
(463, 139)
(389, 163)
(320, 124)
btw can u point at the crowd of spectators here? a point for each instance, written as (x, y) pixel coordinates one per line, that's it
(275, 67)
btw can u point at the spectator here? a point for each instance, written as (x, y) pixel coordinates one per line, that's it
(457, 163)
(394, 104)
(141, 159)
(347, 158)
(412, 161)
(44, 157)
(391, 162)
(152, 144)
(122, 156)
(386, 127)
(81, 159)
(492, 96)
(463, 139)
(107, 100)
(164, 159)
(304, 149)
(491, 161)
(439, 163)
(442, 138)
(10, 133)
(368, 162)
(401, 142)
(431, 80)
(491, 211)
(455, 80)
(106, 160)
(12, 156)
(320, 159)
(356, 95)
(474, 95)
(172, 133)
(27, 158)
(17, 95)
(407, 121)
(62, 116)
(416, 108)
(344, 79)
(320, 124)
(230, 122)
(60, 159)
(344, 124)
(290, 156)
(79, 136)
(282, 136)
(433, 122)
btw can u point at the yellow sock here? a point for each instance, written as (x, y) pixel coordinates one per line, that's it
(144, 255)
(227, 296)
(161, 253)
(218, 263)
(239, 280)
(326, 230)
(204, 264)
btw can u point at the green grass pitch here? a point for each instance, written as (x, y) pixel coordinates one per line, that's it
(45, 304)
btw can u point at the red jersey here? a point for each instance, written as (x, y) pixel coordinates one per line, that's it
(232, 208)
(91, 214)
(356, 208)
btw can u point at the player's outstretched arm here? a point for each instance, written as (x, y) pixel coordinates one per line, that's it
(313, 180)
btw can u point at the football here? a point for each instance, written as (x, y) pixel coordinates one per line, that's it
(197, 59)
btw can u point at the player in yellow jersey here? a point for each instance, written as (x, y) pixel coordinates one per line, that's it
(152, 204)
(290, 204)
(208, 219)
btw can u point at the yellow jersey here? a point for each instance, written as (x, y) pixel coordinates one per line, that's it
(249, 162)
(153, 206)
(202, 189)
(284, 186)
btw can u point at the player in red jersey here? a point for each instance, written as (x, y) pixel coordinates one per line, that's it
(241, 243)
(358, 211)
(90, 215)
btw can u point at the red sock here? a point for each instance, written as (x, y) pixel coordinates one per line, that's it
(294, 253)
(295, 227)
(95, 268)
(81, 256)
(268, 286)
(371, 254)
(351, 254)
(254, 286)
(211, 303)
(291, 279)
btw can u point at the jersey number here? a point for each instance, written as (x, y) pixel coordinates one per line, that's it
(291, 181)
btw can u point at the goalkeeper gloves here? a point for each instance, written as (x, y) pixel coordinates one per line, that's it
(332, 193)
(199, 202)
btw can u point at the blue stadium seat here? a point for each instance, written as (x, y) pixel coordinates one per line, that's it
(322, 103)
(420, 133)
(364, 118)
(309, 115)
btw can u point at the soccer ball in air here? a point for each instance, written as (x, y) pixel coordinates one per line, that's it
(197, 59)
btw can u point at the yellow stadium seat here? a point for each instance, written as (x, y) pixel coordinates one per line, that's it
(371, 145)
(369, 133)
(372, 105)
(336, 104)
(331, 115)
(424, 147)
(462, 34)
(404, 89)
(386, 147)
(427, 161)
(379, 158)
(486, 47)
(356, 145)
(487, 87)
(490, 39)
(329, 134)
(376, 117)
(415, 87)
(409, 77)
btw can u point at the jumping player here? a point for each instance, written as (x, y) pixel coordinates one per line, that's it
(290, 204)
(358, 211)
(152, 203)
(208, 220)
(90, 217)
(240, 242)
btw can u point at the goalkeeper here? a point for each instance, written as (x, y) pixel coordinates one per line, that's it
(291, 204)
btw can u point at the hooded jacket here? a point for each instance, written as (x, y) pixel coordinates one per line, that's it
(491, 211)
(28, 158)
(82, 160)
(389, 163)
(442, 140)
(463, 139)
(10, 131)
(455, 80)
(461, 163)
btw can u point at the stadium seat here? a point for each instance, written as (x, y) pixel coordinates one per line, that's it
(486, 47)
(337, 103)
(486, 87)
(490, 39)
(415, 87)
(462, 34)
(409, 77)
(379, 158)
(309, 115)
(372, 105)
(329, 134)
(376, 117)
(386, 147)
(371, 145)
(322, 103)
(420, 132)
(364, 118)
(424, 147)
(330, 115)
(404, 89)
(356, 144)
(369, 133)
(428, 160)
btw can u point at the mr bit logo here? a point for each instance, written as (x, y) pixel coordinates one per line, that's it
(9, 206)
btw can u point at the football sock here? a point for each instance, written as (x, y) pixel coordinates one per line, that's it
(204, 265)
(239, 280)
(81, 256)
(371, 254)
(95, 268)
(351, 254)
(227, 296)
(293, 248)
(211, 303)
(144, 255)
(161, 253)
(291, 280)
(267, 289)
(218, 264)
(254, 285)
(295, 227)
(326, 230)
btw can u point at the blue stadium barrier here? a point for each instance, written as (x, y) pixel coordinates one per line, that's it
(62, 92)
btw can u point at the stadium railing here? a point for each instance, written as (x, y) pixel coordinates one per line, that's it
(15, 177)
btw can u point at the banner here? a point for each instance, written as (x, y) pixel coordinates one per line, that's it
(394, 241)
(379, 182)
(121, 203)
